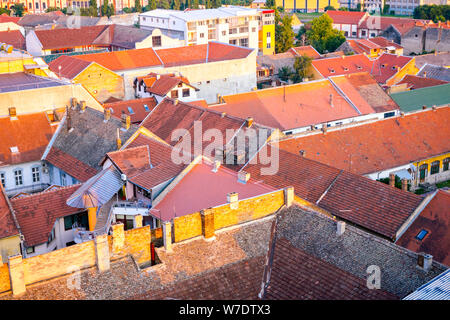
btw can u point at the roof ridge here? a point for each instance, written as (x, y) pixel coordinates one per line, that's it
(47, 191)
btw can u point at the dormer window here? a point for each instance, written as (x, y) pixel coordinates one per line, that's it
(130, 111)
(383, 65)
(358, 67)
(345, 68)
(331, 70)
(421, 234)
(14, 149)
(146, 108)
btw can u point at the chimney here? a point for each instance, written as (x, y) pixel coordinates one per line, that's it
(433, 107)
(73, 102)
(243, 176)
(223, 114)
(233, 200)
(119, 142)
(405, 184)
(425, 261)
(82, 106)
(424, 107)
(302, 153)
(107, 114)
(402, 114)
(12, 113)
(175, 102)
(324, 128)
(69, 120)
(249, 122)
(392, 179)
(340, 228)
(216, 167)
(158, 76)
(126, 121)
(331, 100)
(424, 74)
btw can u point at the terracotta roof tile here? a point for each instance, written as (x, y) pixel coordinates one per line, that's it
(378, 145)
(37, 213)
(14, 38)
(435, 220)
(5, 18)
(68, 38)
(416, 82)
(139, 112)
(161, 84)
(30, 133)
(306, 51)
(346, 17)
(70, 66)
(297, 275)
(70, 165)
(8, 227)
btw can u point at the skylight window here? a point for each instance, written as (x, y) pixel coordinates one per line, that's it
(14, 149)
(422, 234)
(130, 111)
(146, 108)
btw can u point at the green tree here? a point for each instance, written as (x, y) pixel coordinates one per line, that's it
(270, 3)
(127, 10)
(322, 36)
(18, 9)
(165, 4)
(195, 4)
(175, 5)
(284, 35)
(284, 73)
(107, 9)
(302, 66)
(137, 6)
(93, 8)
(49, 9)
(386, 9)
(329, 8)
(151, 5)
(5, 10)
(343, 9)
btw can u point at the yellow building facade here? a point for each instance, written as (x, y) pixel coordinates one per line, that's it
(307, 6)
(432, 170)
(266, 36)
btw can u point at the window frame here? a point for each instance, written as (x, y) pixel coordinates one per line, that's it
(38, 174)
(3, 178)
(433, 166)
(16, 176)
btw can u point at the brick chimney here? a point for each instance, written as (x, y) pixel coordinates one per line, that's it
(107, 114)
(424, 74)
(302, 153)
(392, 179)
(425, 261)
(424, 107)
(324, 128)
(118, 140)
(12, 113)
(243, 176)
(405, 184)
(340, 228)
(82, 106)
(73, 102)
(233, 200)
(249, 122)
(126, 121)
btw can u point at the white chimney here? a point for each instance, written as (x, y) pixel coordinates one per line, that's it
(243, 176)
(216, 167)
(233, 200)
(340, 228)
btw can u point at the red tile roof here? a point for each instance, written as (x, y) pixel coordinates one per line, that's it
(161, 84)
(5, 18)
(378, 145)
(141, 58)
(308, 103)
(70, 165)
(204, 189)
(346, 17)
(30, 133)
(37, 213)
(7, 225)
(384, 43)
(416, 82)
(403, 25)
(382, 68)
(297, 275)
(70, 66)
(306, 51)
(435, 219)
(131, 160)
(369, 204)
(69, 38)
(137, 105)
(14, 38)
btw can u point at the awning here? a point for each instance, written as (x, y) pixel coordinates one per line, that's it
(98, 190)
(403, 174)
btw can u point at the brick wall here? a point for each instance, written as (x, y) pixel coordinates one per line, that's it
(59, 262)
(249, 209)
(187, 227)
(137, 243)
(4, 278)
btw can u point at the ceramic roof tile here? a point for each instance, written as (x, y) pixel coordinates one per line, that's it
(8, 226)
(14, 38)
(140, 108)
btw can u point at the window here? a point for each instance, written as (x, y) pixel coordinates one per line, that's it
(30, 6)
(202, 35)
(146, 108)
(18, 176)
(434, 167)
(3, 179)
(363, 32)
(346, 33)
(354, 33)
(389, 114)
(174, 94)
(445, 164)
(51, 237)
(185, 92)
(268, 34)
(421, 234)
(156, 41)
(253, 29)
(43, 5)
(130, 110)
(224, 33)
(234, 41)
(268, 45)
(63, 179)
(243, 42)
(36, 173)
(37, 5)
(76, 220)
(30, 250)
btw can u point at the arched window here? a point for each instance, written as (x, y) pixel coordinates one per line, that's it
(445, 164)
(435, 167)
